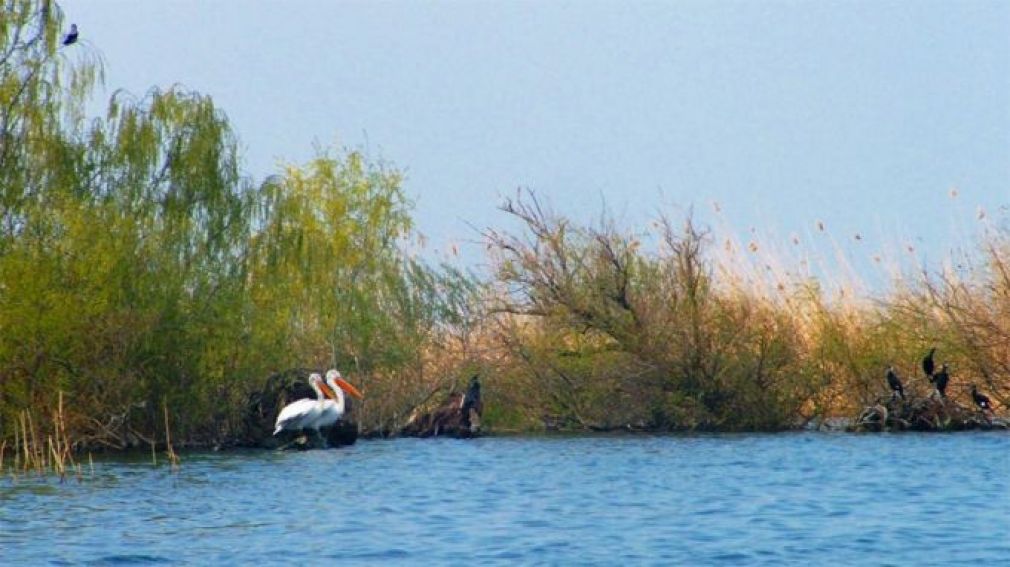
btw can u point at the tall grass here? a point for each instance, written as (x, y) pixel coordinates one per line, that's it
(706, 331)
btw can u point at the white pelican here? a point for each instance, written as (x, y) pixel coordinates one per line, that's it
(302, 414)
(333, 409)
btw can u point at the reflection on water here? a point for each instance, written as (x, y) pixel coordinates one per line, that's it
(733, 499)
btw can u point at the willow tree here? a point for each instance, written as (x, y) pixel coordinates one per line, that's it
(330, 285)
(122, 241)
(42, 96)
(140, 269)
(165, 171)
(325, 233)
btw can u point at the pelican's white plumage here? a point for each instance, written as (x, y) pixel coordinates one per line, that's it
(302, 414)
(334, 409)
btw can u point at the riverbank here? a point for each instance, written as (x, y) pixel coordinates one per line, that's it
(150, 287)
(346, 434)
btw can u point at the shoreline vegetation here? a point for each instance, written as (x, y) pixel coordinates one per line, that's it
(150, 288)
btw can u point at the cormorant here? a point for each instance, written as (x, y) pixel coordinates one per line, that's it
(980, 399)
(927, 363)
(471, 400)
(72, 36)
(940, 380)
(894, 383)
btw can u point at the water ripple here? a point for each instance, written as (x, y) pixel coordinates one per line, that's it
(706, 499)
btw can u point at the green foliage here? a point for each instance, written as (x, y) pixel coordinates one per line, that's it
(122, 242)
(138, 266)
(324, 255)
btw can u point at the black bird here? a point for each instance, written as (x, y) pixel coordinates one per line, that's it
(72, 36)
(895, 383)
(927, 363)
(471, 400)
(940, 380)
(981, 400)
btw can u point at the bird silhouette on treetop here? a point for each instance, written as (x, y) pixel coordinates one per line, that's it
(71, 37)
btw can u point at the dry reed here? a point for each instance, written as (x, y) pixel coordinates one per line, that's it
(33, 453)
(173, 458)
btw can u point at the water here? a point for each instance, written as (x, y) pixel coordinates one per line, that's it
(727, 499)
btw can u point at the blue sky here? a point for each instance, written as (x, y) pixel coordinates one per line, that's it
(862, 115)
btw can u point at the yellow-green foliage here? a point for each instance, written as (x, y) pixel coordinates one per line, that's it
(138, 267)
(141, 270)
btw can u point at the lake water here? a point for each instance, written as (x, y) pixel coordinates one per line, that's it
(711, 499)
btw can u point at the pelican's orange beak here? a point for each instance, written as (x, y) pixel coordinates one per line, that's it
(346, 386)
(327, 391)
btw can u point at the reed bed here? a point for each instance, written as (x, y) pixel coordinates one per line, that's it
(36, 454)
(708, 330)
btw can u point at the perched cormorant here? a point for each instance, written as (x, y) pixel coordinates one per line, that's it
(940, 380)
(894, 383)
(927, 363)
(471, 400)
(980, 399)
(72, 36)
